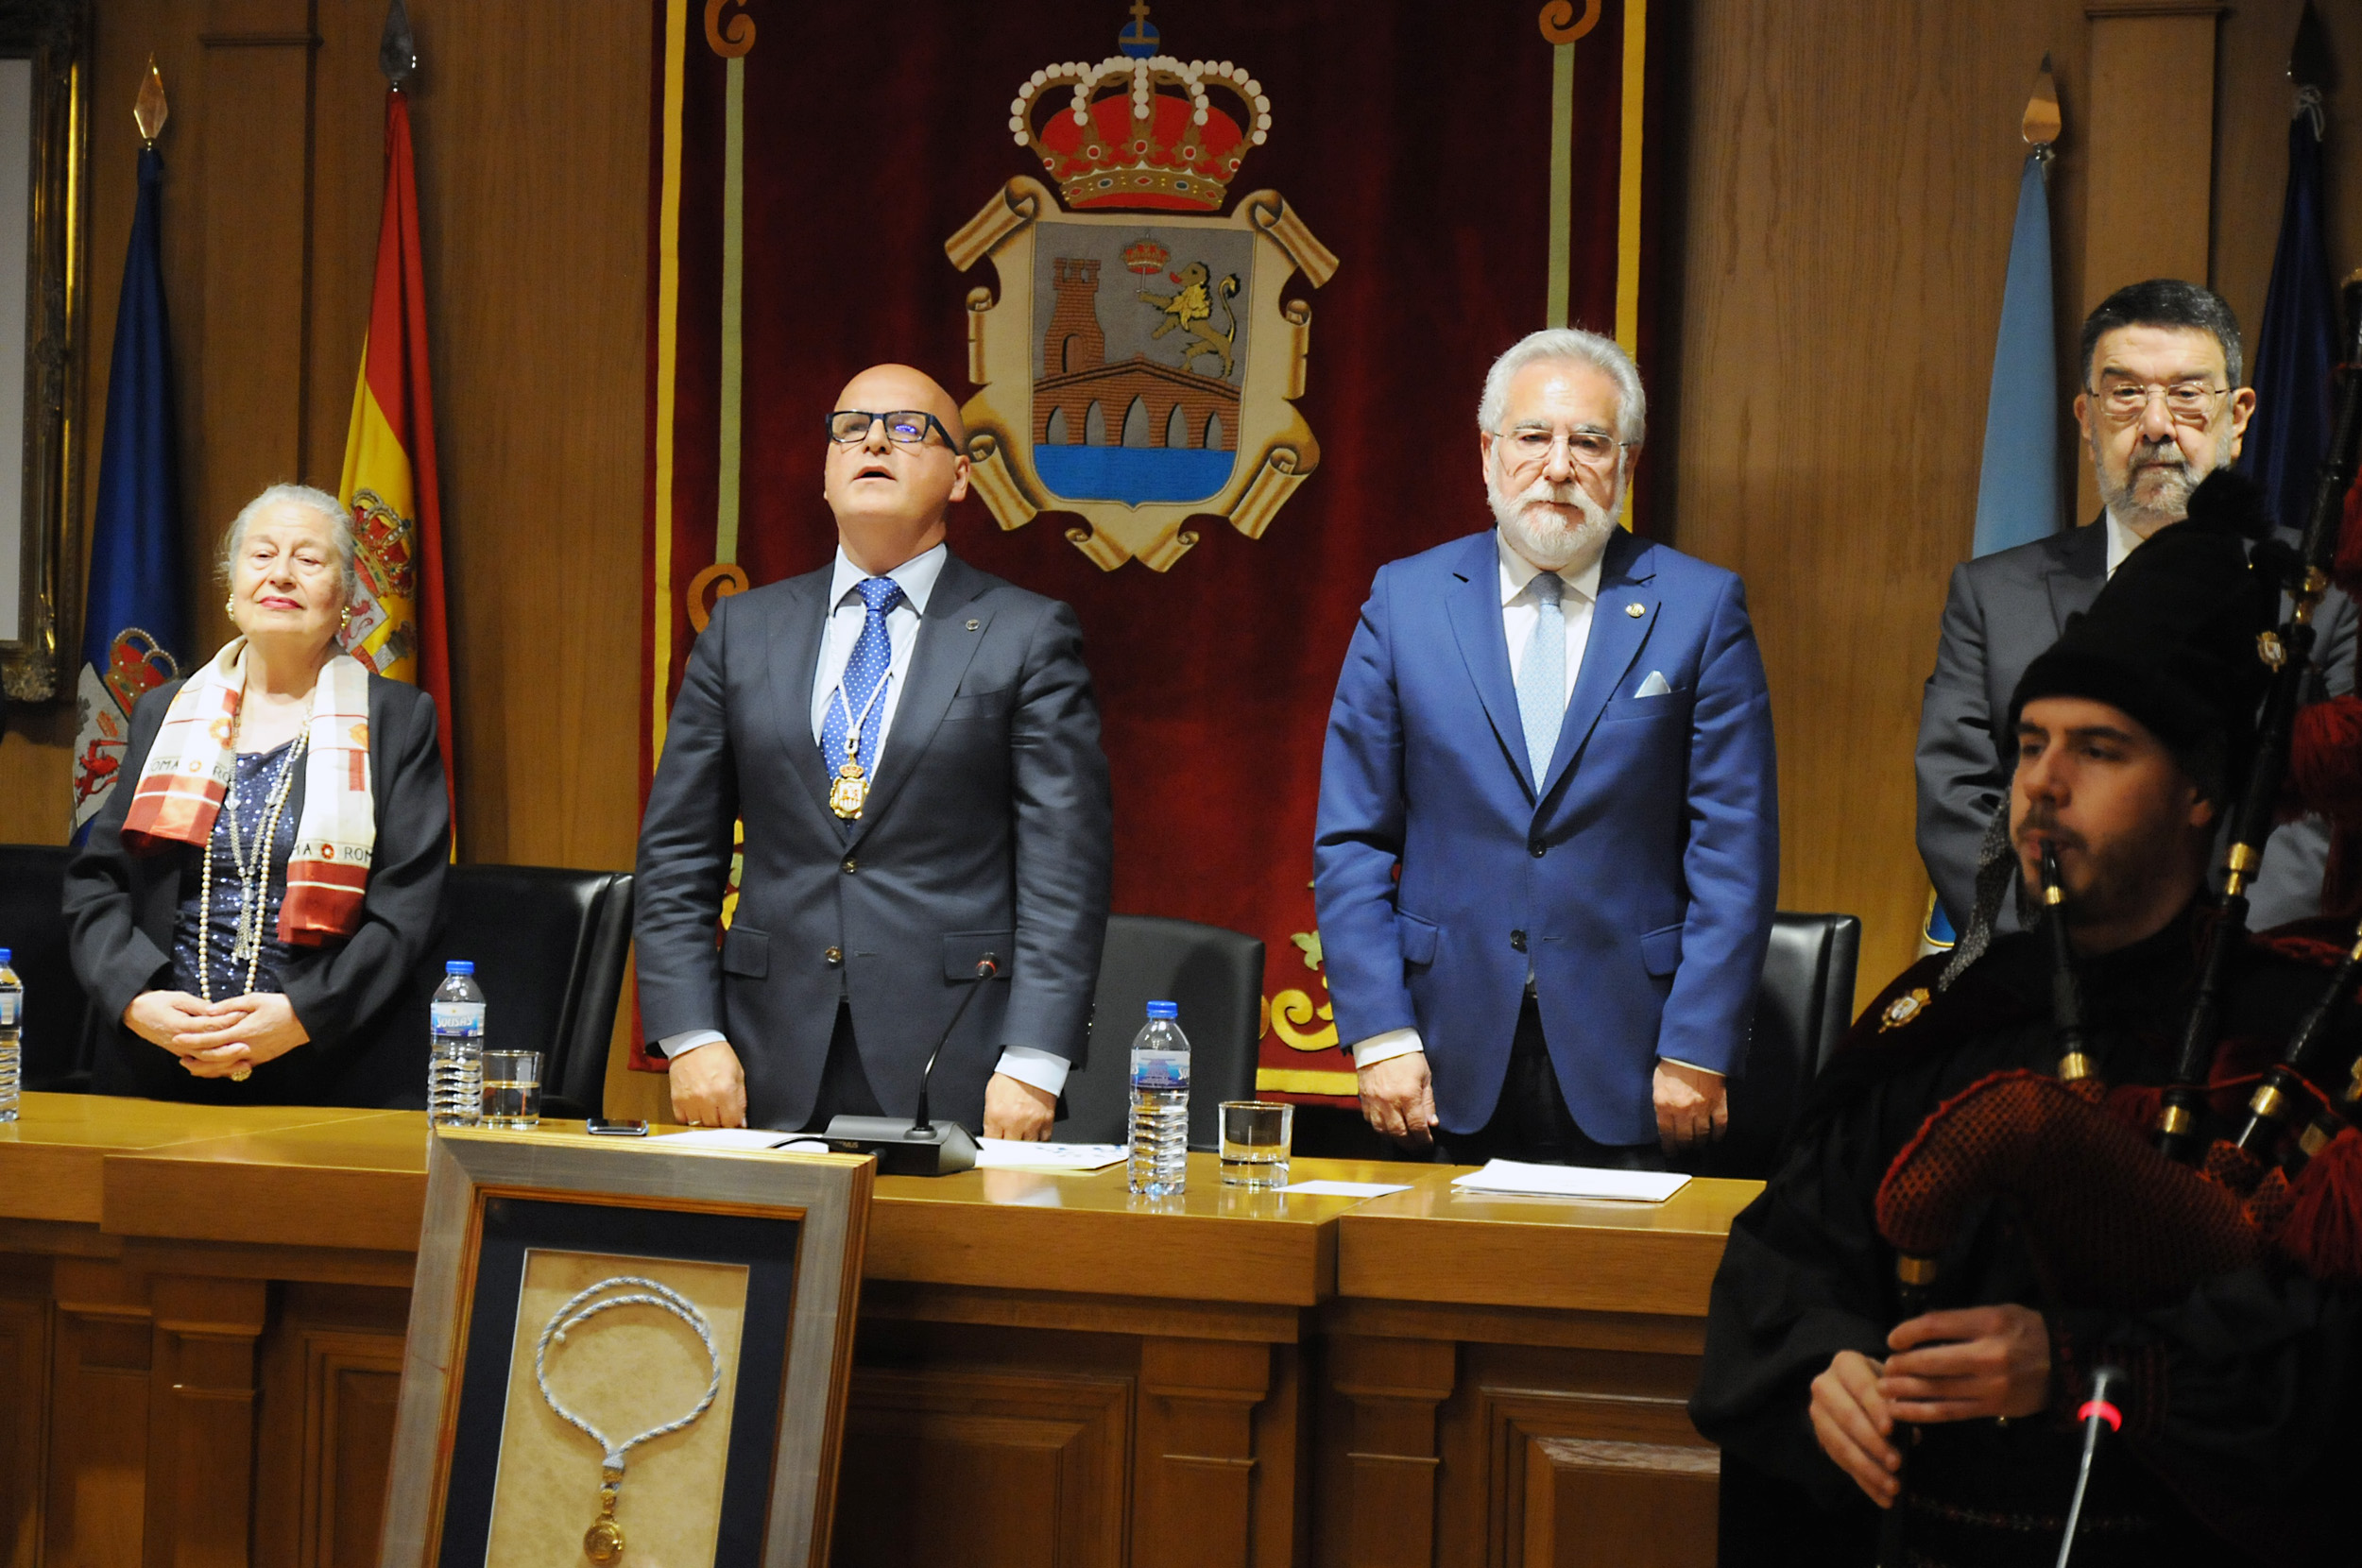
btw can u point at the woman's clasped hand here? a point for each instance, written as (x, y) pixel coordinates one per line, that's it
(215, 1039)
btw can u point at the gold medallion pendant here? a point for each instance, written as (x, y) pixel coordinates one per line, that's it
(603, 1543)
(848, 791)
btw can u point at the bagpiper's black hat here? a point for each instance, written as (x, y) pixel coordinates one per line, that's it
(2174, 638)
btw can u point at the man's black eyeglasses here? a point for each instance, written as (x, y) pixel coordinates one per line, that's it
(905, 427)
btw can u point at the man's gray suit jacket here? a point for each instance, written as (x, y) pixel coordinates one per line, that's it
(986, 830)
(2004, 611)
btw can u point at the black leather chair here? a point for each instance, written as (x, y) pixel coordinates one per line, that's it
(32, 923)
(1802, 1008)
(1215, 976)
(549, 947)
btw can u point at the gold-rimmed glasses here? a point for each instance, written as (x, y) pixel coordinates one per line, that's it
(1531, 445)
(2187, 402)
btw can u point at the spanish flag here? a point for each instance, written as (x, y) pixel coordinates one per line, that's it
(396, 627)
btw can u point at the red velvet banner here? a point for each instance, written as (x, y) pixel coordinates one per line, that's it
(1412, 143)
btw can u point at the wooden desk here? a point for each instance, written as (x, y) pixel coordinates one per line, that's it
(210, 1306)
(1508, 1377)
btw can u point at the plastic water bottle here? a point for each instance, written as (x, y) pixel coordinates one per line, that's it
(1159, 1167)
(455, 1078)
(11, 1030)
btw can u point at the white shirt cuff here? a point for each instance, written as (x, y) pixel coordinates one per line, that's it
(1038, 1068)
(1385, 1048)
(674, 1046)
(1691, 1065)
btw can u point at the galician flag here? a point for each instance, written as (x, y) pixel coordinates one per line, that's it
(396, 627)
(135, 627)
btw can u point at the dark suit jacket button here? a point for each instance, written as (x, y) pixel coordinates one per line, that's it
(834, 955)
(851, 864)
(1538, 850)
(1518, 941)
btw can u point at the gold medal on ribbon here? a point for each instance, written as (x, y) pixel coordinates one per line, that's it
(848, 790)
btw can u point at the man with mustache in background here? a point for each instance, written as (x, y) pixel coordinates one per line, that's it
(1548, 843)
(2162, 406)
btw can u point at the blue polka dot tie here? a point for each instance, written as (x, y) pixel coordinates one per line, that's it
(859, 705)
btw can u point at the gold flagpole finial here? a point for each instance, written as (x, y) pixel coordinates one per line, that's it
(149, 110)
(2041, 126)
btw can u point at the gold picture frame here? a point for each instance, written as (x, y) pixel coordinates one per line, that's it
(45, 197)
(770, 1248)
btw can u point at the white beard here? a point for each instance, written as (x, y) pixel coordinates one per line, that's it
(1544, 537)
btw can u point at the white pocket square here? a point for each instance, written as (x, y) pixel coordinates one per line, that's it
(1655, 686)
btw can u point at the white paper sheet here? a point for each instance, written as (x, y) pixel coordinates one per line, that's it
(1015, 1155)
(1570, 1181)
(1346, 1189)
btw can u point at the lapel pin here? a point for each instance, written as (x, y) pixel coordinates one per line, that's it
(1634, 610)
(973, 625)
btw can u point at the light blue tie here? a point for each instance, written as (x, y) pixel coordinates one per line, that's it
(1542, 679)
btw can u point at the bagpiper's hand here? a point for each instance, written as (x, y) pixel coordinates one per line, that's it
(1972, 1363)
(1854, 1424)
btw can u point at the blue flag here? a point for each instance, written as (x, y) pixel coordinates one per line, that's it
(2289, 434)
(2017, 485)
(134, 627)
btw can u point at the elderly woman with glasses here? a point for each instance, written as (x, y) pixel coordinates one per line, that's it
(257, 891)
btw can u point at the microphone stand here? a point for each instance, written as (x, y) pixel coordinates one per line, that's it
(918, 1146)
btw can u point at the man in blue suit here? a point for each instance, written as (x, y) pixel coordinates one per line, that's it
(1548, 839)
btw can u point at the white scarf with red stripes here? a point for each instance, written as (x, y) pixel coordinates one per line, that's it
(189, 769)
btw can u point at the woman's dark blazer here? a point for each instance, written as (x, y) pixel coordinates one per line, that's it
(348, 994)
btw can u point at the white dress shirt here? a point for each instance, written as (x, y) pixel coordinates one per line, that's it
(917, 575)
(1519, 615)
(2122, 542)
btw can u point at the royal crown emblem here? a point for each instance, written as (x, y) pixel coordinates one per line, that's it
(1139, 371)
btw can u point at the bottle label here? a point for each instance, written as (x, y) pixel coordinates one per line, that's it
(10, 1001)
(456, 1017)
(1160, 1070)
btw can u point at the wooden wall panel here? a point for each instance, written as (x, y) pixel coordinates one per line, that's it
(1850, 179)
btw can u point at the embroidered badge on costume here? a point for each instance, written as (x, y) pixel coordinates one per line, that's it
(1901, 1010)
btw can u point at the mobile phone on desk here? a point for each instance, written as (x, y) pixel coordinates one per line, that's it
(617, 1129)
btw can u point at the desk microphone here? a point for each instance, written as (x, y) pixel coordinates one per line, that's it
(916, 1145)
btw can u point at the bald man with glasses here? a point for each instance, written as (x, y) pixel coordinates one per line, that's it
(2163, 405)
(912, 747)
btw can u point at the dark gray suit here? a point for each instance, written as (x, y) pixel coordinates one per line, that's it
(987, 830)
(2004, 610)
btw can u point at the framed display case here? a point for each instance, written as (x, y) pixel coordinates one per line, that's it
(624, 1353)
